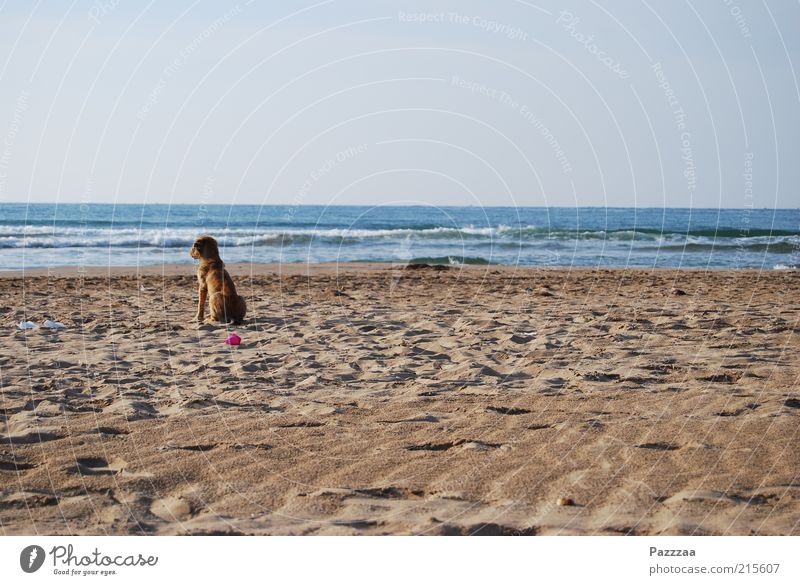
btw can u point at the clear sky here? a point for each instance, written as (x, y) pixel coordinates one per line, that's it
(678, 104)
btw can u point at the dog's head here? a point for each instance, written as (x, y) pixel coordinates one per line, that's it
(205, 248)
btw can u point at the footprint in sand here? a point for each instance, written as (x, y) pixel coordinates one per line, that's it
(659, 446)
(426, 418)
(488, 529)
(97, 466)
(507, 410)
(25, 500)
(24, 427)
(107, 431)
(13, 463)
(200, 448)
(463, 443)
(171, 508)
(131, 409)
(738, 411)
(690, 495)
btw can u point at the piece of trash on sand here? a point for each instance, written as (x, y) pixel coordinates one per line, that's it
(27, 325)
(53, 325)
(233, 339)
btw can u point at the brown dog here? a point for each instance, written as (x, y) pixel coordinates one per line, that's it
(224, 305)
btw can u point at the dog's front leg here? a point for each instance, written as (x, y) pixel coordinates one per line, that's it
(202, 293)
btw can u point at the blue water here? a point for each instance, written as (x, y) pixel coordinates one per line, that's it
(41, 235)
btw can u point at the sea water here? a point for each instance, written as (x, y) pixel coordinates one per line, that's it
(45, 235)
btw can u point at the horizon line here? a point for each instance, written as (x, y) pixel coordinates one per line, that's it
(396, 206)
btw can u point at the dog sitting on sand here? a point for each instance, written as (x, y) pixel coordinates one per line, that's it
(224, 305)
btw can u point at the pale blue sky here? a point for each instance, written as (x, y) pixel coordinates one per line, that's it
(447, 103)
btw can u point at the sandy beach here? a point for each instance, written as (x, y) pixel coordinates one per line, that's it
(374, 399)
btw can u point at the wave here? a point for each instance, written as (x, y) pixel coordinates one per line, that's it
(49, 236)
(779, 247)
(450, 260)
(723, 232)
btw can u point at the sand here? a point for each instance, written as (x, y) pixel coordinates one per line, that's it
(371, 399)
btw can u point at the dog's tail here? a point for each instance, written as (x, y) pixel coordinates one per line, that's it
(240, 312)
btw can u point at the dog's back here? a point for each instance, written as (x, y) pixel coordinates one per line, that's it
(230, 306)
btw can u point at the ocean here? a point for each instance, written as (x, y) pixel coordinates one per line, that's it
(45, 235)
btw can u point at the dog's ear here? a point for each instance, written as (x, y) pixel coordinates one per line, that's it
(211, 248)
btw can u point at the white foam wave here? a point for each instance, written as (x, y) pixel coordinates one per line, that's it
(33, 236)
